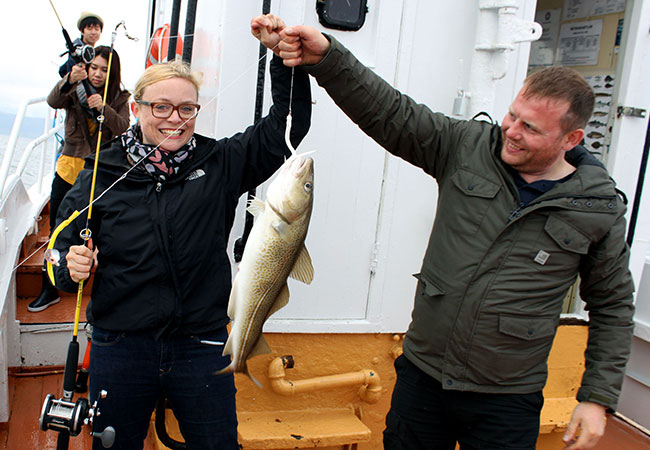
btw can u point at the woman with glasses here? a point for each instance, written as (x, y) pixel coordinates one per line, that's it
(161, 286)
(81, 131)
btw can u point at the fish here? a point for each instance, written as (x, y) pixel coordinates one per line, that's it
(275, 251)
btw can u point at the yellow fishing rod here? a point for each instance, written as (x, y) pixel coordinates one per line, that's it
(63, 415)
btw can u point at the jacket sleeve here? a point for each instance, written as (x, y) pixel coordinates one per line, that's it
(75, 200)
(59, 97)
(117, 115)
(606, 287)
(66, 67)
(395, 121)
(255, 154)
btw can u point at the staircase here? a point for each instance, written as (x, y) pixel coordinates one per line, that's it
(44, 335)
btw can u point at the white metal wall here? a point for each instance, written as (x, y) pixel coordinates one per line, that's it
(373, 212)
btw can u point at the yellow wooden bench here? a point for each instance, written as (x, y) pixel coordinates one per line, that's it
(323, 428)
(565, 368)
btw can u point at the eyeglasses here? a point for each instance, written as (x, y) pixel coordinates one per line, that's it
(186, 111)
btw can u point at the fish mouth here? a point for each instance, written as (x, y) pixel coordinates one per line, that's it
(299, 165)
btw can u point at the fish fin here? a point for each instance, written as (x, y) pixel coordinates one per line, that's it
(280, 301)
(227, 349)
(231, 300)
(227, 369)
(261, 347)
(280, 226)
(256, 206)
(303, 270)
(253, 379)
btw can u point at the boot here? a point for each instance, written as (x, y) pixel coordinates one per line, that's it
(49, 296)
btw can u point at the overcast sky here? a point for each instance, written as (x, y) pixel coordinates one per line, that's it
(32, 42)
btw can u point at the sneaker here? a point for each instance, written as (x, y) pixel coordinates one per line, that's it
(47, 297)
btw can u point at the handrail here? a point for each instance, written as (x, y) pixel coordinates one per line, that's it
(369, 380)
(13, 139)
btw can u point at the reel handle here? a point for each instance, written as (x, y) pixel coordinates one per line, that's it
(107, 436)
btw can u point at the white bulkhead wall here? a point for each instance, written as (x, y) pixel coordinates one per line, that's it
(373, 212)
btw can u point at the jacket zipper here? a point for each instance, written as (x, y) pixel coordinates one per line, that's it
(517, 212)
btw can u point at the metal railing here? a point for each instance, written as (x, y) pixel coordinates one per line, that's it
(42, 142)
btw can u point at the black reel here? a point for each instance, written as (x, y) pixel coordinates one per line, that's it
(82, 53)
(69, 417)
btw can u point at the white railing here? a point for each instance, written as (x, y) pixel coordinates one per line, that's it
(41, 141)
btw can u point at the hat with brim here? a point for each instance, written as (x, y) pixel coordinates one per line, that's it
(88, 15)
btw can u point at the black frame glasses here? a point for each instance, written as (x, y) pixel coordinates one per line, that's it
(157, 114)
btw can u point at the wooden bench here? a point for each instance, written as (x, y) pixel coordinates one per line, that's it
(324, 428)
(565, 368)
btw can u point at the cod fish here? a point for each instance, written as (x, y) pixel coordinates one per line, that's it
(275, 250)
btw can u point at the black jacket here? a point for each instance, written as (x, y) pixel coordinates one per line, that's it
(162, 257)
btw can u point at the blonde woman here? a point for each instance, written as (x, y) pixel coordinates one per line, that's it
(163, 277)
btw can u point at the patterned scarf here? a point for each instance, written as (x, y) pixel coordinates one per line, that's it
(161, 165)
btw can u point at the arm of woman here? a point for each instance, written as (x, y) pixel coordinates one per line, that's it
(75, 260)
(59, 97)
(117, 114)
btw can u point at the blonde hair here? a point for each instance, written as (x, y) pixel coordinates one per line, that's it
(165, 71)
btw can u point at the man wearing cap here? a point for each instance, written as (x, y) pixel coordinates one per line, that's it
(91, 26)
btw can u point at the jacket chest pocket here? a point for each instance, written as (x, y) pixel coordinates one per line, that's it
(560, 246)
(470, 201)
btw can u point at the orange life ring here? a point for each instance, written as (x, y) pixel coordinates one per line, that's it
(159, 45)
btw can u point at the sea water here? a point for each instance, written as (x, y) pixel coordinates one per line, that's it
(30, 174)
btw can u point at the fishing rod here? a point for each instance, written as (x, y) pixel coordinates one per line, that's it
(65, 416)
(79, 54)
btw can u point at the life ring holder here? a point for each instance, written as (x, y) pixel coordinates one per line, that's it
(159, 46)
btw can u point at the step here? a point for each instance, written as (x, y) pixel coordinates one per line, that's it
(62, 312)
(300, 429)
(556, 414)
(296, 429)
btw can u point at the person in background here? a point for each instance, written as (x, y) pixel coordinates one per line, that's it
(523, 210)
(91, 26)
(160, 292)
(81, 132)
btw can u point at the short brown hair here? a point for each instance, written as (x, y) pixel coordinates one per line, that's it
(562, 83)
(165, 71)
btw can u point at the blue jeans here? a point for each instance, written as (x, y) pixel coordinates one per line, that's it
(134, 368)
(423, 416)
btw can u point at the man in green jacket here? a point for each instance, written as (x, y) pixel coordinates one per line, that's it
(522, 211)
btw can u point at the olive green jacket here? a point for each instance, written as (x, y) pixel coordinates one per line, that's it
(494, 275)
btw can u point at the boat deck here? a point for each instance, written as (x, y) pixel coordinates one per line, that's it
(28, 391)
(28, 387)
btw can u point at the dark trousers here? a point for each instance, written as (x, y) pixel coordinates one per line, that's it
(134, 368)
(423, 416)
(60, 187)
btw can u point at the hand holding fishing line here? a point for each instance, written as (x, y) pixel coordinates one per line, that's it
(302, 45)
(80, 260)
(267, 30)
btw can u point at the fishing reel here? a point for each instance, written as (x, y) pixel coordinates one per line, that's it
(69, 417)
(82, 53)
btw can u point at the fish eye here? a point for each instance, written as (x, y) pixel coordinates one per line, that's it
(308, 186)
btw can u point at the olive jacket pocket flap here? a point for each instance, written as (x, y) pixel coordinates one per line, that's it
(474, 185)
(528, 328)
(430, 288)
(567, 236)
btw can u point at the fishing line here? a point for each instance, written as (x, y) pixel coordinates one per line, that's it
(124, 175)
